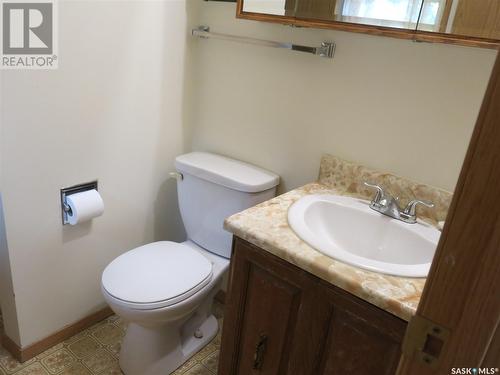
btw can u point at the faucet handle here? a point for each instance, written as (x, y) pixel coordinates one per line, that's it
(410, 209)
(379, 194)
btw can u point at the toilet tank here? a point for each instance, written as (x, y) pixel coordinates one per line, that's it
(214, 187)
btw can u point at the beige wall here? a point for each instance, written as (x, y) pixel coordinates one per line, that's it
(112, 111)
(390, 104)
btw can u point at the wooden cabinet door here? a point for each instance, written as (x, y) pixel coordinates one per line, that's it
(361, 339)
(264, 320)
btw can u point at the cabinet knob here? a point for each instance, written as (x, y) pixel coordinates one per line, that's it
(260, 350)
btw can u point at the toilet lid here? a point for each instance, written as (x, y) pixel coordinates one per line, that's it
(157, 273)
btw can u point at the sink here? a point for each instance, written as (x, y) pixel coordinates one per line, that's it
(348, 230)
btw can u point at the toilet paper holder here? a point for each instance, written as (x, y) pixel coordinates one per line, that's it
(65, 209)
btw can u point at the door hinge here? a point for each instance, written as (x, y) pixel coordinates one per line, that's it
(425, 340)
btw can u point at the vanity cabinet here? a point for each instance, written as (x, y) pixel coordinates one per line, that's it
(280, 319)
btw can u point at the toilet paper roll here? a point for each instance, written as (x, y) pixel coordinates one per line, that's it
(84, 206)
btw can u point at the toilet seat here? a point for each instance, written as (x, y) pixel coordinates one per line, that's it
(156, 275)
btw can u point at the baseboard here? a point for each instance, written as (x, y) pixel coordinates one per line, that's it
(24, 354)
(220, 297)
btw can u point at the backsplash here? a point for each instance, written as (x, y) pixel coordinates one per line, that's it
(348, 177)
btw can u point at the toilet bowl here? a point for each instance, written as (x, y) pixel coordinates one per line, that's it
(178, 322)
(164, 290)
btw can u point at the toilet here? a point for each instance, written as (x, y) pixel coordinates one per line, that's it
(164, 290)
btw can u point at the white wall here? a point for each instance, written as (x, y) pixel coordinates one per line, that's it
(113, 111)
(390, 104)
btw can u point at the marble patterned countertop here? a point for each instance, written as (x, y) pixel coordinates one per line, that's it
(266, 226)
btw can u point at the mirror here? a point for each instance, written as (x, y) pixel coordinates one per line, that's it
(474, 18)
(274, 7)
(467, 22)
(398, 14)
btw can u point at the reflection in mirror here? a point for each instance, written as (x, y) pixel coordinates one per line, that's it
(391, 13)
(274, 7)
(431, 15)
(478, 18)
(469, 18)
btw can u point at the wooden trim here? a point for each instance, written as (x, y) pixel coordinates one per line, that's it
(24, 354)
(11, 347)
(416, 35)
(461, 292)
(459, 40)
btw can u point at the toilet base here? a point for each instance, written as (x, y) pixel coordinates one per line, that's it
(160, 351)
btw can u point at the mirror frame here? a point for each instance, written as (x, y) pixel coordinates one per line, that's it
(415, 35)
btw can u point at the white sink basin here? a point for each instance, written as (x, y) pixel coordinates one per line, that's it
(347, 229)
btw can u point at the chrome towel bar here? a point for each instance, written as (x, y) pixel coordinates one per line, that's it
(326, 49)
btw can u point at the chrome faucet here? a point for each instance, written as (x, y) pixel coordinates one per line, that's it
(388, 205)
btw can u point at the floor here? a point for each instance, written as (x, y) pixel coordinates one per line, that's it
(95, 351)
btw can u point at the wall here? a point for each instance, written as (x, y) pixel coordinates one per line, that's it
(112, 111)
(390, 104)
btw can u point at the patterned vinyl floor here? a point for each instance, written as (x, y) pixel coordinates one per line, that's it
(95, 352)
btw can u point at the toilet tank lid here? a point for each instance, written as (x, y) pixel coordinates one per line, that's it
(233, 174)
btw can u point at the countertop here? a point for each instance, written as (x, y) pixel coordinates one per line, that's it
(266, 226)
